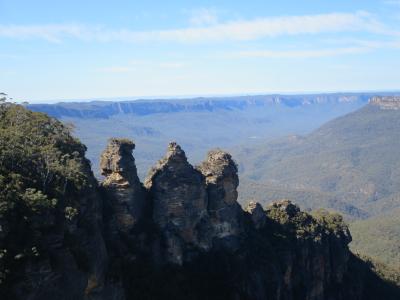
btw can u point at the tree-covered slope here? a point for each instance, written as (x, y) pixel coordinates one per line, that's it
(48, 212)
(350, 164)
(379, 237)
(352, 160)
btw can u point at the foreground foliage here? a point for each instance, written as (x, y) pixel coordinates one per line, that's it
(42, 170)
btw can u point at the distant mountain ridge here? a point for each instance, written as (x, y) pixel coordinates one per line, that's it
(199, 124)
(106, 109)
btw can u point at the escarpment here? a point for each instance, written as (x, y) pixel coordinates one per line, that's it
(386, 103)
(180, 235)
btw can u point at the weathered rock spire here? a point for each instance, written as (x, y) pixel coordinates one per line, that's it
(221, 175)
(258, 216)
(122, 182)
(179, 201)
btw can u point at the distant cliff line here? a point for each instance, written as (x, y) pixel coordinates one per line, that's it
(106, 109)
(387, 102)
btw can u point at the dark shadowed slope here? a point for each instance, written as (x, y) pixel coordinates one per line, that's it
(379, 237)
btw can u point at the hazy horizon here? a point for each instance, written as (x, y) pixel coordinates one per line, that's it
(188, 97)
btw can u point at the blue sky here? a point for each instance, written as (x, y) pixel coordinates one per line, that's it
(54, 50)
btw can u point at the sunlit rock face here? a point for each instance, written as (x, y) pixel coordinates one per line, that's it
(387, 102)
(126, 193)
(179, 202)
(221, 176)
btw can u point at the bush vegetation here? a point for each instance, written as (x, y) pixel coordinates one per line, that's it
(42, 173)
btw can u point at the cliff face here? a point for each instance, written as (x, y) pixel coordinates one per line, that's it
(319, 256)
(388, 102)
(181, 235)
(106, 109)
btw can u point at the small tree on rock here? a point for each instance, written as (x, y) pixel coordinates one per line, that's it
(3, 98)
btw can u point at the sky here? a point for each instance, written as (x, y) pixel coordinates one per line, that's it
(57, 50)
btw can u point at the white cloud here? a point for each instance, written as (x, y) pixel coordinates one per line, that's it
(203, 16)
(235, 30)
(393, 43)
(116, 69)
(52, 33)
(136, 65)
(392, 2)
(172, 65)
(300, 53)
(337, 47)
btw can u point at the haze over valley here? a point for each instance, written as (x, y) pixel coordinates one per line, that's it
(199, 124)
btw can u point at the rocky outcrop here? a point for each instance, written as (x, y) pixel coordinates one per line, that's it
(125, 191)
(179, 203)
(258, 216)
(195, 208)
(319, 243)
(221, 176)
(203, 242)
(287, 208)
(387, 102)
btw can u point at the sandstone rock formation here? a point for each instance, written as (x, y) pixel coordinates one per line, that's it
(127, 195)
(179, 202)
(387, 102)
(221, 176)
(258, 216)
